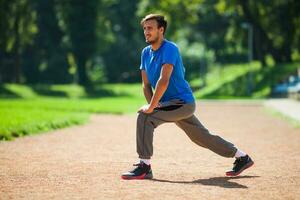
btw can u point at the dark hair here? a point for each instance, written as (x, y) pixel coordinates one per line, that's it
(161, 21)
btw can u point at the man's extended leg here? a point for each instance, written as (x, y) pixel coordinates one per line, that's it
(201, 136)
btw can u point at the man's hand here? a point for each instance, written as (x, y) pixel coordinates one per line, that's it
(146, 109)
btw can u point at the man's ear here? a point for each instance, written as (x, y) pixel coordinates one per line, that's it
(161, 29)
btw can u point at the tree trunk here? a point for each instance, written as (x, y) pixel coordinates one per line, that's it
(259, 52)
(82, 72)
(288, 31)
(17, 48)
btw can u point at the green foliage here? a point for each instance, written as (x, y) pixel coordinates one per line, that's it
(98, 41)
(82, 15)
(17, 29)
(276, 27)
(122, 57)
(51, 55)
(196, 58)
(17, 24)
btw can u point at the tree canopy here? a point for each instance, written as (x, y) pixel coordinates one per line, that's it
(89, 42)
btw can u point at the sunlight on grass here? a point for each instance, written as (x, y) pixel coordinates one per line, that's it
(19, 121)
(221, 76)
(22, 91)
(33, 112)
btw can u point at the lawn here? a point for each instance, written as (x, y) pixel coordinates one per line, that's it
(231, 81)
(28, 110)
(24, 120)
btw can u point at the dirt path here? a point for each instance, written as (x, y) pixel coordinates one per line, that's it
(85, 162)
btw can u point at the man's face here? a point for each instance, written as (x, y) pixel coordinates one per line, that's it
(151, 31)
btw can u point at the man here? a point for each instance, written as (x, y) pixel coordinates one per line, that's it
(171, 101)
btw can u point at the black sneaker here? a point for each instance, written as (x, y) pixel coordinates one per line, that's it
(142, 171)
(239, 165)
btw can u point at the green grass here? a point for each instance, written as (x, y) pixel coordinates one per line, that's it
(29, 109)
(219, 80)
(20, 121)
(230, 81)
(268, 77)
(71, 91)
(115, 105)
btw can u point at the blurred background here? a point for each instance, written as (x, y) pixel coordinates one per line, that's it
(91, 49)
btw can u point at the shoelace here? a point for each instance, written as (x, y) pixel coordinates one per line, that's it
(138, 164)
(236, 162)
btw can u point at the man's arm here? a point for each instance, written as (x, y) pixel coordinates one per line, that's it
(148, 93)
(161, 87)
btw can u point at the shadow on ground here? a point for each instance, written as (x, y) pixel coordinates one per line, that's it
(224, 182)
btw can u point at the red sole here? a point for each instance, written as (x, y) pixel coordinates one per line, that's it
(230, 174)
(141, 177)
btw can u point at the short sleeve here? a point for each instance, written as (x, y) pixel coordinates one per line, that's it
(170, 55)
(142, 65)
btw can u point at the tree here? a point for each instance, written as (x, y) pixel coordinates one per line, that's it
(48, 54)
(81, 22)
(276, 27)
(17, 29)
(122, 56)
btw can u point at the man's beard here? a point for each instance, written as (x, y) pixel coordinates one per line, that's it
(152, 41)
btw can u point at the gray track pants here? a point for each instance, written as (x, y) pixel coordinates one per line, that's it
(183, 116)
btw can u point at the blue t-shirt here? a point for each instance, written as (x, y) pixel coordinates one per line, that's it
(152, 62)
